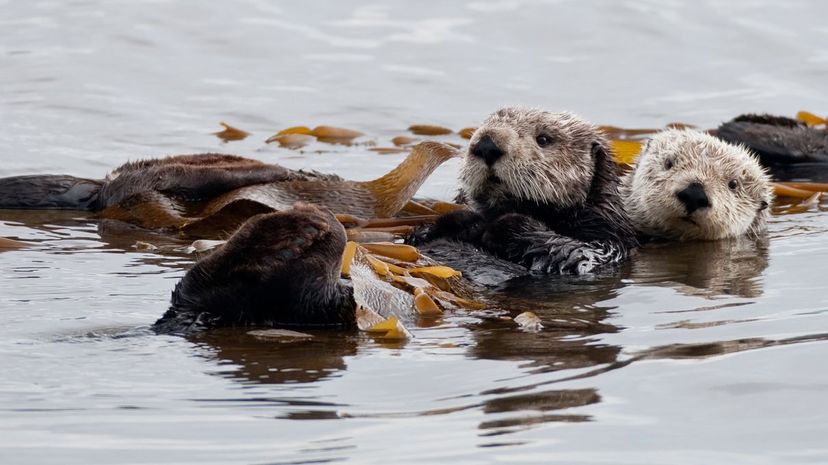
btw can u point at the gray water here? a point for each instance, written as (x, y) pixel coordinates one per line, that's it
(697, 353)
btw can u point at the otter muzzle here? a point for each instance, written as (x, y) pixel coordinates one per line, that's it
(694, 197)
(487, 150)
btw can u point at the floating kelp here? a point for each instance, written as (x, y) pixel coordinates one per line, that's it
(614, 132)
(403, 267)
(299, 136)
(402, 252)
(335, 135)
(424, 304)
(371, 235)
(792, 191)
(10, 244)
(401, 141)
(292, 141)
(805, 186)
(394, 283)
(391, 328)
(303, 130)
(811, 119)
(429, 130)
(626, 151)
(418, 208)
(811, 203)
(798, 197)
(381, 198)
(382, 229)
(446, 207)
(466, 133)
(229, 133)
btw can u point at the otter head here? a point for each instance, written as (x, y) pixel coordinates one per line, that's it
(690, 185)
(521, 155)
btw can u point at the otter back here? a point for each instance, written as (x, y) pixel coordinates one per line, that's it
(49, 192)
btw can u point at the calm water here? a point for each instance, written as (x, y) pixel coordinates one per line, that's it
(700, 353)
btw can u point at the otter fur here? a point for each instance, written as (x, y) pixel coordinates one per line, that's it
(210, 193)
(187, 177)
(777, 140)
(279, 269)
(543, 188)
(544, 192)
(689, 185)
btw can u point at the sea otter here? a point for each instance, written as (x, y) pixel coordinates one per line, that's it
(777, 140)
(205, 193)
(186, 177)
(279, 269)
(788, 148)
(543, 189)
(690, 185)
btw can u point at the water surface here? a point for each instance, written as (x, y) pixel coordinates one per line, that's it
(698, 353)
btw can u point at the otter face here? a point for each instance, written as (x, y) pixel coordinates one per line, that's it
(690, 185)
(530, 155)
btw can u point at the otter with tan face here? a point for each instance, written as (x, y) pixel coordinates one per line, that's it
(544, 191)
(689, 185)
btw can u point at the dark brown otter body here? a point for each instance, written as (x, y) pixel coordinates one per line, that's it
(209, 193)
(279, 269)
(185, 177)
(776, 139)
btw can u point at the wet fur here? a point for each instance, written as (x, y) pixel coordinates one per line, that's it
(777, 140)
(649, 191)
(189, 178)
(553, 209)
(278, 269)
(52, 192)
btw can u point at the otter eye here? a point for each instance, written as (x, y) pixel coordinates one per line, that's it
(733, 184)
(543, 140)
(668, 164)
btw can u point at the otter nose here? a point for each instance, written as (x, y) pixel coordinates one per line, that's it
(693, 197)
(487, 150)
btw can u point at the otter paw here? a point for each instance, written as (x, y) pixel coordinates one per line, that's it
(514, 236)
(581, 261)
(288, 235)
(563, 255)
(461, 225)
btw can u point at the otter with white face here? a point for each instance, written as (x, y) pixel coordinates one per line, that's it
(689, 185)
(544, 191)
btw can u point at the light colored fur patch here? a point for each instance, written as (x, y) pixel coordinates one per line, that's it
(558, 174)
(649, 191)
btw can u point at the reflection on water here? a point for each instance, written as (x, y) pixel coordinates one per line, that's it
(258, 360)
(540, 402)
(715, 268)
(722, 343)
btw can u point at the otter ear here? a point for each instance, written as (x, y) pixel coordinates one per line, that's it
(763, 205)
